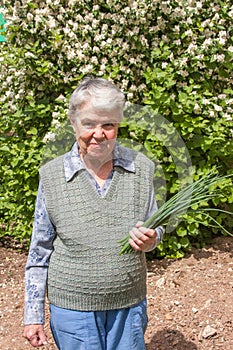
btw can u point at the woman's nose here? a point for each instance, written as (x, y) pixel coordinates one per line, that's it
(99, 132)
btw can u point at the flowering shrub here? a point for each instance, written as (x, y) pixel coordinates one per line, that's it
(173, 55)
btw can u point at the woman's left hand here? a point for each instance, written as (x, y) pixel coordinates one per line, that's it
(142, 238)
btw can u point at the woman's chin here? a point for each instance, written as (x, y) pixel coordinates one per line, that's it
(98, 154)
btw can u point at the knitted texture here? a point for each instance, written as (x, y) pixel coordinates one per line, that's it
(86, 271)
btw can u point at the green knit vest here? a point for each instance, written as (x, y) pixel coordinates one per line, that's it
(86, 271)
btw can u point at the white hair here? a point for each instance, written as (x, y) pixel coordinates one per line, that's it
(101, 93)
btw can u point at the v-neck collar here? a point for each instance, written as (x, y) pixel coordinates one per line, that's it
(122, 157)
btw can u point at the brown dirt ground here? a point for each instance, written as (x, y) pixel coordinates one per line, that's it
(190, 302)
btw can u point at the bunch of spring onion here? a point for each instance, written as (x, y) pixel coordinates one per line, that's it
(182, 202)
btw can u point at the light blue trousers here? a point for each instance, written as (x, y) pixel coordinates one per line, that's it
(121, 329)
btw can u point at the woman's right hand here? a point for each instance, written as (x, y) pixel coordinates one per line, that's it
(35, 334)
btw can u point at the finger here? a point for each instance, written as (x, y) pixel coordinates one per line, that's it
(139, 223)
(34, 341)
(137, 237)
(151, 233)
(134, 245)
(142, 233)
(43, 338)
(135, 234)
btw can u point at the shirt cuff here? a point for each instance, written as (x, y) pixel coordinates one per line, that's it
(34, 312)
(159, 237)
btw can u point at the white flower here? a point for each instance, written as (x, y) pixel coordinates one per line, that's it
(99, 37)
(95, 23)
(132, 60)
(165, 8)
(189, 21)
(86, 46)
(87, 69)
(52, 23)
(189, 32)
(125, 46)
(56, 123)
(192, 48)
(227, 116)
(61, 98)
(219, 57)
(133, 88)
(207, 43)
(205, 101)
(102, 67)
(71, 54)
(161, 23)
(173, 97)
(29, 17)
(216, 17)
(104, 60)
(165, 38)
(217, 108)
(177, 29)
(141, 87)
(103, 44)
(197, 108)
(55, 115)
(96, 49)
(212, 114)
(222, 41)
(105, 27)
(94, 60)
(29, 55)
(222, 96)
(124, 83)
(229, 101)
(9, 79)
(134, 5)
(50, 136)
(177, 42)
(183, 61)
(223, 34)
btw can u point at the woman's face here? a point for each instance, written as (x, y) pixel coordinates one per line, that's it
(96, 132)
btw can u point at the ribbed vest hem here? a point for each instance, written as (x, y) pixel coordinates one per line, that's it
(94, 302)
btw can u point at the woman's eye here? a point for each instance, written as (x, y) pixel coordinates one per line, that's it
(88, 125)
(108, 125)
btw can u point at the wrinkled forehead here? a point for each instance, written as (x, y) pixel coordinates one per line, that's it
(99, 112)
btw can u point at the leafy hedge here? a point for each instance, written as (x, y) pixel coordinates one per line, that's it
(173, 56)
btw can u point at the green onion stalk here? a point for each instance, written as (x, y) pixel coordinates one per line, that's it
(182, 202)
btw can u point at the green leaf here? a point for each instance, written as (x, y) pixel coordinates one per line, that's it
(32, 131)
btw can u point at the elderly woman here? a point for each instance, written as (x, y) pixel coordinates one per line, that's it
(88, 199)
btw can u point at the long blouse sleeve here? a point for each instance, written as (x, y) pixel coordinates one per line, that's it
(36, 272)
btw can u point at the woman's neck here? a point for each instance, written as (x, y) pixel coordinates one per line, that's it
(99, 169)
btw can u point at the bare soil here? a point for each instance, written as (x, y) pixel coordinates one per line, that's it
(190, 301)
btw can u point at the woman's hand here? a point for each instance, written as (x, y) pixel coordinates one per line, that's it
(35, 334)
(142, 238)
